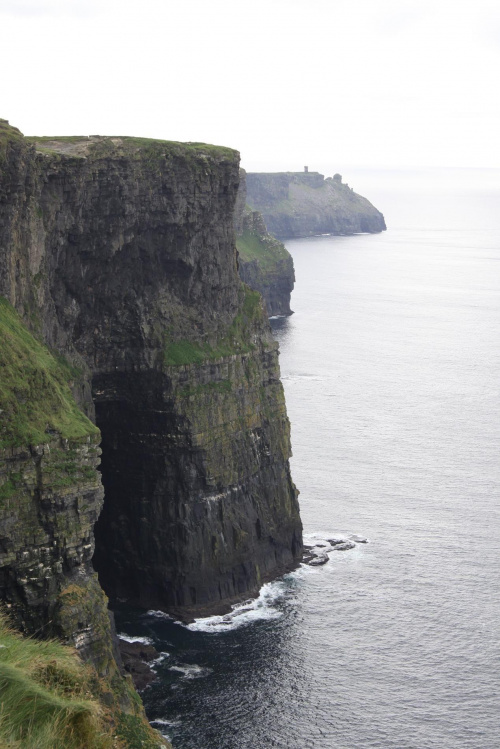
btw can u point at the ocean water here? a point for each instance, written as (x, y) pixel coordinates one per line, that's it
(391, 369)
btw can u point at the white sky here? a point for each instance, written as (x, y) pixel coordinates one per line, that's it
(286, 82)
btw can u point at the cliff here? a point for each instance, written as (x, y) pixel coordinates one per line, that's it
(302, 204)
(264, 263)
(118, 254)
(50, 498)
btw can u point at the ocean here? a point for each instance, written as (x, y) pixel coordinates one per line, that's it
(391, 369)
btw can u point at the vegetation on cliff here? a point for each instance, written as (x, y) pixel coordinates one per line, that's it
(150, 150)
(50, 497)
(50, 699)
(35, 397)
(236, 340)
(264, 263)
(266, 250)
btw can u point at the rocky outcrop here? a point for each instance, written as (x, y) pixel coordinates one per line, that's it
(302, 204)
(119, 253)
(264, 263)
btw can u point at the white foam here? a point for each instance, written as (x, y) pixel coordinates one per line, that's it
(165, 722)
(191, 671)
(142, 640)
(243, 614)
(157, 614)
(162, 657)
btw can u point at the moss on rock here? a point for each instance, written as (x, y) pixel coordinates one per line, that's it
(35, 397)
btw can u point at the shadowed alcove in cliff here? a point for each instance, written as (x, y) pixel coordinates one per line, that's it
(196, 514)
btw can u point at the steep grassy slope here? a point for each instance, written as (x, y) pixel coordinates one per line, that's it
(50, 699)
(35, 397)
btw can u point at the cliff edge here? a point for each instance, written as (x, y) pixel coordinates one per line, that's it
(303, 204)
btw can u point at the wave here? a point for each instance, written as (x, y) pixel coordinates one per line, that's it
(129, 638)
(191, 671)
(162, 657)
(256, 609)
(165, 722)
(155, 614)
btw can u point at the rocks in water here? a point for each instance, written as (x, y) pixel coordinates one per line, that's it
(319, 560)
(136, 657)
(345, 546)
(317, 555)
(313, 556)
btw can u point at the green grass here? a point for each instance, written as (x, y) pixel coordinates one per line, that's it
(50, 699)
(134, 732)
(237, 339)
(45, 696)
(8, 135)
(35, 398)
(195, 148)
(149, 147)
(223, 386)
(266, 251)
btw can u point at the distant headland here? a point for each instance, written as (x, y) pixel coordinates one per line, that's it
(303, 204)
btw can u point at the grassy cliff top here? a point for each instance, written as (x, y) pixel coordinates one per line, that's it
(35, 398)
(266, 250)
(8, 135)
(8, 132)
(86, 145)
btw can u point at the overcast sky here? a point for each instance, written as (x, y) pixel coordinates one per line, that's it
(286, 82)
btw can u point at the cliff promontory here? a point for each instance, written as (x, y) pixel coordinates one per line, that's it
(302, 204)
(126, 329)
(264, 262)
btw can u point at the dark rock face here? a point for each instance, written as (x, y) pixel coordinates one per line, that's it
(136, 658)
(47, 519)
(300, 204)
(263, 261)
(120, 254)
(190, 457)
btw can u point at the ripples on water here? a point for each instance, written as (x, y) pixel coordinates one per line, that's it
(390, 367)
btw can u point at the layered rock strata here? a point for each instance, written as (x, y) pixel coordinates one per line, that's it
(50, 497)
(264, 263)
(302, 204)
(119, 253)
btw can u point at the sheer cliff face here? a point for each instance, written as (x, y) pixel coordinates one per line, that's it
(302, 204)
(120, 254)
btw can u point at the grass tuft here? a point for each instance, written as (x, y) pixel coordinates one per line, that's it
(45, 696)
